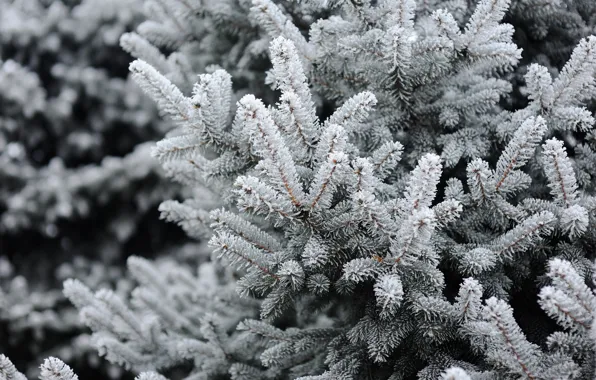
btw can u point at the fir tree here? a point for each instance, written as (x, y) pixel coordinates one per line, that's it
(378, 215)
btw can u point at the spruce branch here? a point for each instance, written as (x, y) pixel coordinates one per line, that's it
(168, 97)
(559, 172)
(455, 373)
(277, 24)
(421, 188)
(140, 48)
(55, 369)
(567, 282)
(8, 371)
(520, 149)
(577, 75)
(524, 236)
(510, 347)
(226, 221)
(255, 196)
(270, 145)
(240, 252)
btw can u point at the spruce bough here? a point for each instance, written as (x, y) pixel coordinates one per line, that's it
(388, 239)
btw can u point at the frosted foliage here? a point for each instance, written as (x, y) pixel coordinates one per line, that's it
(377, 190)
(76, 188)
